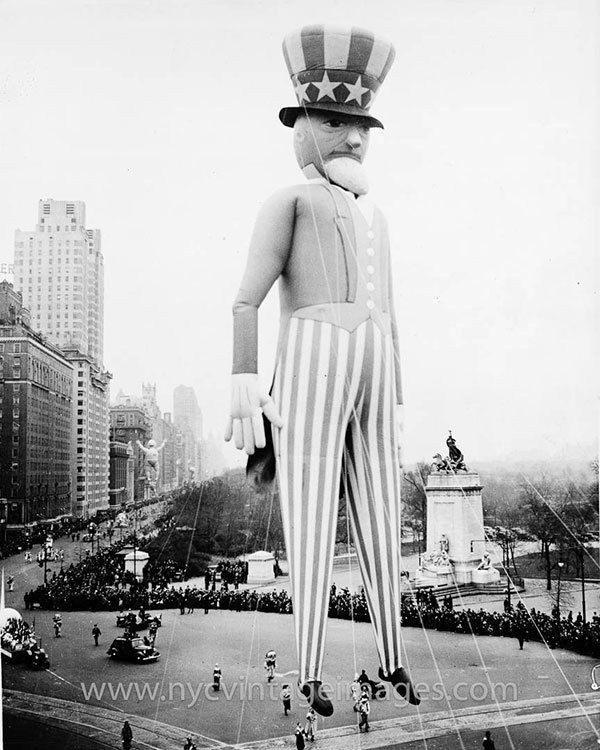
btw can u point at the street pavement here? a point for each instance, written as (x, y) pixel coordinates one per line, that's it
(457, 673)
(475, 683)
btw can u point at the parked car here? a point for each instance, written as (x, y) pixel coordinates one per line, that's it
(135, 650)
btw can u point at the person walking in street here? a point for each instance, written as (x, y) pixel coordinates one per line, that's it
(364, 709)
(11, 583)
(488, 742)
(299, 735)
(286, 699)
(57, 626)
(126, 736)
(311, 724)
(96, 633)
(217, 678)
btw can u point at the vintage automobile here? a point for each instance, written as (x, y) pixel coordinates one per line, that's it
(132, 649)
(134, 622)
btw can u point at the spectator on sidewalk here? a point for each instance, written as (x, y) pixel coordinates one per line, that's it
(126, 736)
(299, 735)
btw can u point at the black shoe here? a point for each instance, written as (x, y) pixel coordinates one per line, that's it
(402, 684)
(317, 697)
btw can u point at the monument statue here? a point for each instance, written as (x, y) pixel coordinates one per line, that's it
(152, 461)
(456, 457)
(441, 464)
(452, 463)
(486, 563)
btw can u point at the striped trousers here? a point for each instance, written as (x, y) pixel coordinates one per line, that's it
(336, 393)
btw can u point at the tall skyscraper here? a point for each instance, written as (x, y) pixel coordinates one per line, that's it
(59, 270)
(187, 416)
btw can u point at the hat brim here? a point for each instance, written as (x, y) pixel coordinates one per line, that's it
(288, 115)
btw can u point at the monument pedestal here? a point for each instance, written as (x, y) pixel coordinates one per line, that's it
(455, 536)
(485, 576)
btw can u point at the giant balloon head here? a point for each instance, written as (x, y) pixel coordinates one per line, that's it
(336, 73)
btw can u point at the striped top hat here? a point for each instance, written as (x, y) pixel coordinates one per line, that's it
(335, 69)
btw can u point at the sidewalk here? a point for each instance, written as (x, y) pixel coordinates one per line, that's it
(103, 725)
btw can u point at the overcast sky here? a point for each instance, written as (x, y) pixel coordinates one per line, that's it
(162, 117)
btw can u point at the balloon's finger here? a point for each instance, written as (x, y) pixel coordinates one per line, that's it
(248, 436)
(238, 434)
(271, 413)
(228, 429)
(258, 428)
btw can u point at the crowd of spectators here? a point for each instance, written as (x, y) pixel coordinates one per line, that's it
(99, 583)
(233, 571)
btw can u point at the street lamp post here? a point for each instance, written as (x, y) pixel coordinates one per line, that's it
(92, 528)
(561, 565)
(43, 557)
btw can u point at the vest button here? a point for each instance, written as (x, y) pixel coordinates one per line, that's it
(370, 304)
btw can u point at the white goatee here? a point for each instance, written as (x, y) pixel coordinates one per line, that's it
(348, 173)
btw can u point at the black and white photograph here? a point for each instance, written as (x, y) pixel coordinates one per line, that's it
(299, 366)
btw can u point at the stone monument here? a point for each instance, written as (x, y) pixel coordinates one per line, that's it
(260, 567)
(456, 552)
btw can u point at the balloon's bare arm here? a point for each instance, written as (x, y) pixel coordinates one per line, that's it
(269, 250)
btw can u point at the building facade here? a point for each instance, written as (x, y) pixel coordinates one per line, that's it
(187, 416)
(91, 434)
(128, 424)
(121, 478)
(59, 270)
(36, 418)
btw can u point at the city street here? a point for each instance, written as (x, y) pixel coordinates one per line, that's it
(455, 673)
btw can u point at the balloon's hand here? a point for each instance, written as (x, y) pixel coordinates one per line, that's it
(400, 430)
(248, 403)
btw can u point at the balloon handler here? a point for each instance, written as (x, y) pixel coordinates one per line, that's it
(335, 404)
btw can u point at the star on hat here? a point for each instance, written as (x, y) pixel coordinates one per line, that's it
(356, 91)
(326, 87)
